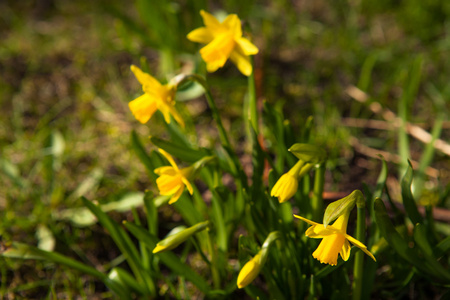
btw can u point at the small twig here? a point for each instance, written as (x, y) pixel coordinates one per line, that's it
(367, 123)
(374, 153)
(414, 130)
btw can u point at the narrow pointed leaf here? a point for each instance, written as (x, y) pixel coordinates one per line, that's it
(23, 251)
(168, 258)
(179, 151)
(408, 199)
(142, 154)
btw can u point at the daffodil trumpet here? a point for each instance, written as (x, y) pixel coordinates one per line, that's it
(335, 240)
(172, 180)
(224, 41)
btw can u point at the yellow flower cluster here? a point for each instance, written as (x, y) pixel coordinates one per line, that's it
(224, 40)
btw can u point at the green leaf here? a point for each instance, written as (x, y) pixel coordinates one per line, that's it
(381, 181)
(185, 207)
(179, 151)
(142, 154)
(90, 183)
(427, 155)
(23, 251)
(307, 128)
(121, 239)
(168, 258)
(391, 235)
(366, 71)
(151, 213)
(126, 203)
(45, 238)
(309, 153)
(429, 265)
(408, 199)
(218, 220)
(443, 247)
(12, 171)
(126, 279)
(420, 237)
(82, 216)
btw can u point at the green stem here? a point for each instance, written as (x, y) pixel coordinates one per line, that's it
(178, 80)
(359, 256)
(317, 198)
(253, 106)
(214, 271)
(212, 105)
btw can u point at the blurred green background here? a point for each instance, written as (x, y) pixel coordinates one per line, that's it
(65, 84)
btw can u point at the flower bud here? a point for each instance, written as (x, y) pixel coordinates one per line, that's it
(172, 241)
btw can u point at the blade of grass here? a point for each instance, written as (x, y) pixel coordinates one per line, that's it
(179, 151)
(408, 96)
(124, 243)
(142, 154)
(427, 155)
(23, 251)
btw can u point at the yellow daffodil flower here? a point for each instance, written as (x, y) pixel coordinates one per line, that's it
(172, 180)
(335, 240)
(287, 185)
(224, 40)
(249, 272)
(156, 97)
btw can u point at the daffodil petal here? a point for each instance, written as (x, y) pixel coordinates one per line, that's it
(247, 47)
(176, 196)
(188, 185)
(318, 231)
(144, 78)
(345, 251)
(368, 253)
(233, 24)
(242, 62)
(176, 115)
(275, 189)
(210, 21)
(306, 220)
(143, 108)
(213, 66)
(200, 35)
(355, 241)
(164, 170)
(169, 158)
(218, 51)
(359, 245)
(164, 109)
